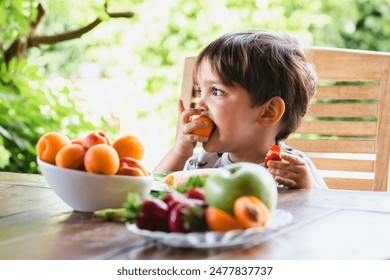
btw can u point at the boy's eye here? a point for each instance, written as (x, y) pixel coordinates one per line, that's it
(198, 92)
(217, 91)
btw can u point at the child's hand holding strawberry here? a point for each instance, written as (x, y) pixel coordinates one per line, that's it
(291, 171)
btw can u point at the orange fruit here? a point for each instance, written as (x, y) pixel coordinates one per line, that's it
(49, 145)
(129, 146)
(251, 211)
(219, 220)
(101, 159)
(205, 131)
(71, 156)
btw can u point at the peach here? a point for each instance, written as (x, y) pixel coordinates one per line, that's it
(96, 137)
(77, 141)
(131, 167)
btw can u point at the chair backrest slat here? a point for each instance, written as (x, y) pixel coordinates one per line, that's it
(340, 164)
(333, 145)
(346, 65)
(352, 92)
(341, 128)
(345, 110)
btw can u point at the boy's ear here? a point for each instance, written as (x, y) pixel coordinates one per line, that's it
(272, 111)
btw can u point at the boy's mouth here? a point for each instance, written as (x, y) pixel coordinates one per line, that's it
(214, 129)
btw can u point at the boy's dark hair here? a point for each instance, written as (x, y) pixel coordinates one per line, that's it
(266, 64)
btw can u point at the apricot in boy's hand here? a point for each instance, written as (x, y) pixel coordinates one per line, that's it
(204, 131)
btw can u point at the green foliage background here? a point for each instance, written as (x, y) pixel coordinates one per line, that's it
(149, 50)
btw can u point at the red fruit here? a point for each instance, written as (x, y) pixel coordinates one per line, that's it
(131, 167)
(196, 193)
(174, 198)
(272, 154)
(175, 221)
(153, 215)
(95, 138)
(187, 218)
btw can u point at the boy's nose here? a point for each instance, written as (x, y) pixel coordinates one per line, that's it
(201, 105)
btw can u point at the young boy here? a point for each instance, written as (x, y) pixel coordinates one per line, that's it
(255, 86)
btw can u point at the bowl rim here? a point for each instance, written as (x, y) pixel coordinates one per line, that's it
(69, 170)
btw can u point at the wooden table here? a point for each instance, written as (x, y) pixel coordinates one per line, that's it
(36, 224)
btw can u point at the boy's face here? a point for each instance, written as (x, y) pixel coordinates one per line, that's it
(236, 121)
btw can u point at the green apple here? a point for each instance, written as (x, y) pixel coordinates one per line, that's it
(228, 183)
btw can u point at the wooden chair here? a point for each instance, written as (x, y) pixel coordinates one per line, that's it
(347, 129)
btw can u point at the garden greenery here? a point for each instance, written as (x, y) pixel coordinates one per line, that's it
(148, 49)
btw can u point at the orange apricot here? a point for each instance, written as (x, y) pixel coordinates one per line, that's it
(95, 138)
(71, 156)
(219, 220)
(101, 159)
(129, 146)
(205, 131)
(49, 145)
(251, 211)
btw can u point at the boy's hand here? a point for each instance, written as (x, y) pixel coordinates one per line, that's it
(185, 140)
(292, 171)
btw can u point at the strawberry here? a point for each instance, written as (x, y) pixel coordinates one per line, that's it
(175, 219)
(196, 193)
(174, 198)
(153, 215)
(272, 154)
(187, 218)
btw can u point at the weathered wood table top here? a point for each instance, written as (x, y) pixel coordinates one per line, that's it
(36, 224)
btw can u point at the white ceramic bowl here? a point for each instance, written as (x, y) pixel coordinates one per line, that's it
(88, 192)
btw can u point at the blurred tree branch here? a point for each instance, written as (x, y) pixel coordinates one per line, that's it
(20, 46)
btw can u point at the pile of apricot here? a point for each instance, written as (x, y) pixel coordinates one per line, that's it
(95, 153)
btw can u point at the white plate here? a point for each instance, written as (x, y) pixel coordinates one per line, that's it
(210, 239)
(159, 182)
(159, 186)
